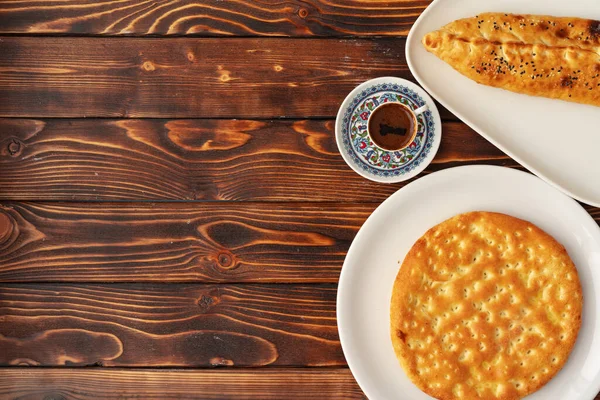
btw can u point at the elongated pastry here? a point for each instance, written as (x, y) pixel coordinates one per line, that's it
(531, 54)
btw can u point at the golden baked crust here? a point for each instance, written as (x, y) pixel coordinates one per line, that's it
(531, 54)
(485, 306)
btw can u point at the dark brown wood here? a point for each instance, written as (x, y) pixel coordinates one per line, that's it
(593, 211)
(198, 160)
(176, 242)
(169, 325)
(259, 384)
(187, 77)
(146, 284)
(214, 242)
(210, 17)
(267, 384)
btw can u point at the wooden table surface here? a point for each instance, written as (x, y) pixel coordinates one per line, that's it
(172, 199)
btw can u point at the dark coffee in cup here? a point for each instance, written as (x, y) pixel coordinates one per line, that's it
(392, 126)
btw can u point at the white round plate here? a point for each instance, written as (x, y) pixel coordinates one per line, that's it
(358, 150)
(371, 265)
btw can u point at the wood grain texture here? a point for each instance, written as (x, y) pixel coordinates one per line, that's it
(198, 160)
(251, 384)
(210, 17)
(213, 242)
(187, 77)
(169, 325)
(181, 242)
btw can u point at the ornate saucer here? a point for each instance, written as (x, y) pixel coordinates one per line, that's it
(358, 150)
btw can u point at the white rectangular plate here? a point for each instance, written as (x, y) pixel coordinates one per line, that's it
(557, 140)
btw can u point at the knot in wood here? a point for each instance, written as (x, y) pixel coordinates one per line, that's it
(148, 66)
(14, 147)
(303, 13)
(225, 260)
(205, 302)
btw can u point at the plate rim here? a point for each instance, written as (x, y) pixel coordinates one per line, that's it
(414, 71)
(351, 359)
(435, 145)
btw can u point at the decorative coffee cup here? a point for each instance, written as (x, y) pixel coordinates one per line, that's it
(393, 126)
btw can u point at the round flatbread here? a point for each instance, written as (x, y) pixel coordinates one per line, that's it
(485, 306)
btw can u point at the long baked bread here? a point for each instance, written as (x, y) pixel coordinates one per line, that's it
(531, 54)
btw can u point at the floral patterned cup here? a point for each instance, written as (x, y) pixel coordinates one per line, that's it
(356, 146)
(417, 124)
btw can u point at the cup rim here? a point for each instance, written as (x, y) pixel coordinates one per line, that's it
(413, 135)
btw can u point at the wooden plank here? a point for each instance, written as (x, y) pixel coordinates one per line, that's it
(210, 242)
(188, 77)
(210, 17)
(250, 384)
(198, 160)
(169, 325)
(176, 242)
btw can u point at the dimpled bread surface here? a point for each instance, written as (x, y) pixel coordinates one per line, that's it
(537, 55)
(485, 306)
